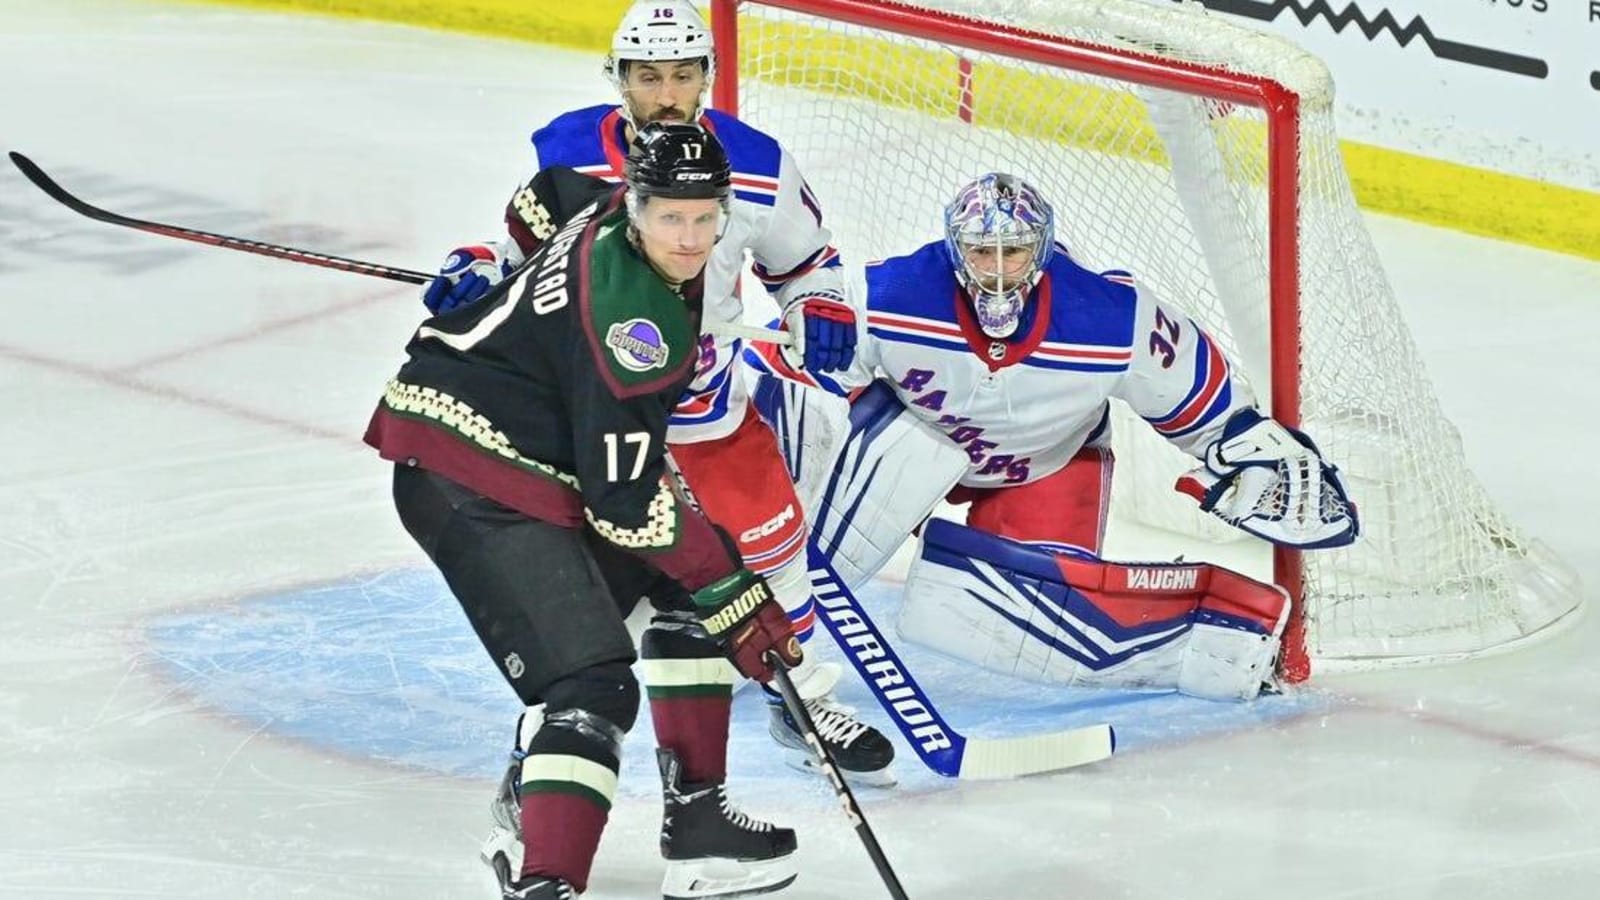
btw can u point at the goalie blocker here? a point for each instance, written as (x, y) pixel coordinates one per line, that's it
(1082, 622)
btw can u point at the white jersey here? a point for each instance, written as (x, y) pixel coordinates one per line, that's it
(775, 217)
(1022, 407)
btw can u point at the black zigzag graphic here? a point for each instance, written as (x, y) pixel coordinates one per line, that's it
(1454, 51)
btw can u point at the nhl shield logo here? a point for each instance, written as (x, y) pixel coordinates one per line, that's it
(637, 345)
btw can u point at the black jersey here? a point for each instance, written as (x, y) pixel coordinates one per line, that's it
(552, 395)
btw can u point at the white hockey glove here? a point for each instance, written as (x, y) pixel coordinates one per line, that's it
(1271, 481)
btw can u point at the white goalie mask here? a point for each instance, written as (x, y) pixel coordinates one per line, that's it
(1000, 234)
(660, 31)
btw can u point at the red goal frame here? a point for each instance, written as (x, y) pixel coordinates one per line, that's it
(1279, 105)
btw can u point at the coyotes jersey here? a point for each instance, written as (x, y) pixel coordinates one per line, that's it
(775, 216)
(1021, 407)
(552, 396)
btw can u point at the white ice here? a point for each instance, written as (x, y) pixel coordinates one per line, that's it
(226, 672)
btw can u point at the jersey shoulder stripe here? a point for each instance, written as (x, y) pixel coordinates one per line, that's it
(572, 139)
(921, 284)
(755, 157)
(1090, 310)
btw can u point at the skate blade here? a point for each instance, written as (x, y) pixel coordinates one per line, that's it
(697, 879)
(805, 762)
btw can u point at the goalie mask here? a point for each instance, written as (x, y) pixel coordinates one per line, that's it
(1000, 234)
(660, 31)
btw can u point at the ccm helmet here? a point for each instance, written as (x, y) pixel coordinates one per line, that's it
(660, 31)
(679, 161)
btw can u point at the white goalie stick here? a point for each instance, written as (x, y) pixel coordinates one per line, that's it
(940, 746)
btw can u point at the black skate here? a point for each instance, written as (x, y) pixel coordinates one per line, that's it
(538, 888)
(712, 849)
(860, 751)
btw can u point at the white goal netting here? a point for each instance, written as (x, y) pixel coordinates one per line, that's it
(1176, 188)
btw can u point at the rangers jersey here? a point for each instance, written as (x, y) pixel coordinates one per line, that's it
(552, 396)
(775, 216)
(1022, 406)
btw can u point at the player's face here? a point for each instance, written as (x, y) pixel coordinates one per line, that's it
(663, 91)
(997, 268)
(677, 236)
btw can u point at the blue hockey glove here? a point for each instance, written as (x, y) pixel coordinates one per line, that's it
(824, 330)
(467, 274)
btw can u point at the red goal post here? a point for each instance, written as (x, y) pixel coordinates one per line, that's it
(1254, 194)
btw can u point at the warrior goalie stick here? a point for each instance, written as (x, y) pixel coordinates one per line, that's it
(847, 799)
(941, 747)
(50, 186)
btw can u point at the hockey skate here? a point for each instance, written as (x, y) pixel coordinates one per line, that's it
(861, 752)
(538, 888)
(502, 849)
(712, 849)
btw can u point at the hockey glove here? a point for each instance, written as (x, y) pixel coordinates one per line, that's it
(824, 330)
(1272, 482)
(742, 616)
(467, 274)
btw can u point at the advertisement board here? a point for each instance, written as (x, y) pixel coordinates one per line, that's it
(1509, 85)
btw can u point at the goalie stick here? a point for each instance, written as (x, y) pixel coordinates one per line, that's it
(941, 747)
(847, 799)
(50, 186)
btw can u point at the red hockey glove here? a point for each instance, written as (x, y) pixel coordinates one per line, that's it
(742, 615)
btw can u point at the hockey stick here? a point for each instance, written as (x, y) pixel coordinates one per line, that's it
(45, 183)
(847, 799)
(50, 186)
(941, 747)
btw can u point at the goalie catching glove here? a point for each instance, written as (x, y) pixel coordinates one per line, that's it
(744, 618)
(1271, 481)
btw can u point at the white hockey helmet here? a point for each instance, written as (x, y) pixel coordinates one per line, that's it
(660, 30)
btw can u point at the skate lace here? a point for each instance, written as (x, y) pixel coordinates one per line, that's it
(836, 724)
(739, 819)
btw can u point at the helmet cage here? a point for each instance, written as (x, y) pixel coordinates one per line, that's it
(999, 211)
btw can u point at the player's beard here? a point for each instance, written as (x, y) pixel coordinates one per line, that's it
(669, 114)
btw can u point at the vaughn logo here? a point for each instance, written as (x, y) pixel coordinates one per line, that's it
(1376, 21)
(1162, 579)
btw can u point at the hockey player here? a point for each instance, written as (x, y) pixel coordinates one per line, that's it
(528, 436)
(662, 65)
(993, 356)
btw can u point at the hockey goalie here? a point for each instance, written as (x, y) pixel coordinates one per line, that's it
(981, 369)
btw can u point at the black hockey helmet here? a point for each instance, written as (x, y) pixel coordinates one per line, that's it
(677, 160)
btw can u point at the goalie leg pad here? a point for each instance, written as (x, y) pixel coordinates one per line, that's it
(1030, 613)
(891, 469)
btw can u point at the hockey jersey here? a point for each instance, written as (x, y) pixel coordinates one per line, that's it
(552, 394)
(1021, 407)
(775, 216)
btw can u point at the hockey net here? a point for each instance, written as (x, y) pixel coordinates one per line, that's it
(1202, 157)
